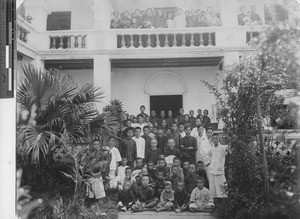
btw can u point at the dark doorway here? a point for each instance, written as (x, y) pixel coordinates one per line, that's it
(166, 102)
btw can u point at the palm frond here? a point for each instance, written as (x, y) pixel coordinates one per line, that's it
(88, 94)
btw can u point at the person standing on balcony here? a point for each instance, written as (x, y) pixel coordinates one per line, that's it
(179, 19)
(203, 21)
(138, 17)
(193, 22)
(188, 18)
(170, 21)
(242, 15)
(209, 15)
(148, 19)
(126, 20)
(254, 16)
(160, 21)
(115, 22)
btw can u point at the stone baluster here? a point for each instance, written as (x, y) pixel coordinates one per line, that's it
(53, 45)
(83, 43)
(69, 42)
(61, 43)
(76, 42)
(149, 41)
(157, 41)
(140, 41)
(183, 40)
(167, 41)
(131, 41)
(123, 41)
(201, 39)
(192, 40)
(209, 39)
(175, 41)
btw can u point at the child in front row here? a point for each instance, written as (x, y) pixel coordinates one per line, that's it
(182, 198)
(126, 197)
(166, 198)
(146, 199)
(201, 198)
(160, 184)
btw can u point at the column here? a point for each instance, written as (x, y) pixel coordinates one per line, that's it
(229, 12)
(102, 78)
(38, 10)
(38, 63)
(102, 14)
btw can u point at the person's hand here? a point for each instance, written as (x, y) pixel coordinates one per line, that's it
(177, 210)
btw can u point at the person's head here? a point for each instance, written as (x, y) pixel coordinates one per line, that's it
(176, 121)
(137, 132)
(146, 130)
(253, 8)
(116, 14)
(160, 133)
(179, 11)
(188, 130)
(127, 185)
(105, 150)
(168, 186)
(159, 12)
(171, 143)
(187, 13)
(174, 170)
(154, 130)
(181, 111)
(186, 165)
(162, 114)
(147, 119)
(150, 125)
(160, 175)
(191, 113)
(140, 119)
(200, 182)
(205, 113)
(200, 165)
(198, 12)
(138, 179)
(139, 162)
(181, 128)
(198, 122)
(144, 171)
(111, 142)
(209, 132)
(130, 132)
(96, 144)
(128, 123)
(192, 168)
(126, 14)
(180, 185)
(142, 109)
(124, 161)
(170, 15)
(168, 131)
(131, 117)
(128, 172)
(209, 9)
(243, 9)
(161, 162)
(162, 156)
(215, 139)
(200, 130)
(186, 117)
(137, 12)
(149, 12)
(132, 15)
(145, 181)
(153, 144)
(163, 123)
(174, 127)
(155, 124)
(199, 112)
(134, 120)
(203, 13)
(176, 161)
(153, 113)
(150, 165)
(170, 113)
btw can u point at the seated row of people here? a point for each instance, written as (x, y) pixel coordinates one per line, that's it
(166, 19)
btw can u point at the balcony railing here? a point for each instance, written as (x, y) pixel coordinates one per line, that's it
(68, 42)
(165, 38)
(22, 34)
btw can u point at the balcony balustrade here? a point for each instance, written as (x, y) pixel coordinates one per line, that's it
(22, 34)
(68, 42)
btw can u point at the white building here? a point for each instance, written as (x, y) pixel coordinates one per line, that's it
(138, 66)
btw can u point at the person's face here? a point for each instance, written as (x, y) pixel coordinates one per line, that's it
(186, 118)
(205, 112)
(144, 172)
(131, 117)
(243, 9)
(153, 144)
(209, 133)
(186, 165)
(160, 133)
(180, 186)
(159, 13)
(153, 113)
(116, 14)
(141, 119)
(96, 145)
(199, 112)
(154, 130)
(168, 131)
(124, 161)
(170, 113)
(164, 123)
(150, 127)
(128, 123)
(128, 173)
(150, 166)
(147, 119)
(142, 109)
(171, 144)
(174, 171)
(162, 114)
(192, 168)
(156, 124)
(181, 111)
(138, 180)
(160, 176)
(161, 163)
(134, 120)
(200, 166)
(200, 131)
(126, 14)
(198, 122)
(181, 128)
(127, 186)
(176, 163)
(187, 13)
(176, 121)
(137, 133)
(139, 163)
(200, 184)
(137, 12)
(188, 131)
(145, 181)
(191, 113)
(146, 131)
(111, 143)
(174, 127)
(215, 140)
(168, 188)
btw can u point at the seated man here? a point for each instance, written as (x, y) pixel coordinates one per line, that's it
(146, 199)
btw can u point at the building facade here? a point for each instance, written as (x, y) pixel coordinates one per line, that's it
(160, 68)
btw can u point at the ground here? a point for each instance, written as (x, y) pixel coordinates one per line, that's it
(164, 215)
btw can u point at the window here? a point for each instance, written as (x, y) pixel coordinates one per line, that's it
(59, 20)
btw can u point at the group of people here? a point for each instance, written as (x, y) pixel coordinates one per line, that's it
(165, 19)
(156, 170)
(250, 17)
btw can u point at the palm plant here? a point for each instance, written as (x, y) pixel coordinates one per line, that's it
(59, 111)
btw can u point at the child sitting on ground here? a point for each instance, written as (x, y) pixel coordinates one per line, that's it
(126, 197)
(166, 198)
(136, 185)
(191, 179)
(160, 184)
(201, 198)
(176, 162)
(146, 199)
(181, 198)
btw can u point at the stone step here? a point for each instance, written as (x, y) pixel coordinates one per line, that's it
(164, 215)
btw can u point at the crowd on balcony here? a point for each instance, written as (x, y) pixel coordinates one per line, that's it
(166, 19)
(250, 17)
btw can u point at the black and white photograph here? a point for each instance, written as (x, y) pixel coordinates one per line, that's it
(139, 109)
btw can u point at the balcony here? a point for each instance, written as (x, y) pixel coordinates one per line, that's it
(68, 42)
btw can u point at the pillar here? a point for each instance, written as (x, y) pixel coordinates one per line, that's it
(38, 10)
(229, 13)
(102, 14)
(102, 78)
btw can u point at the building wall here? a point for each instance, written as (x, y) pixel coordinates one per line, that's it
(81, 77)
(128, 85)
